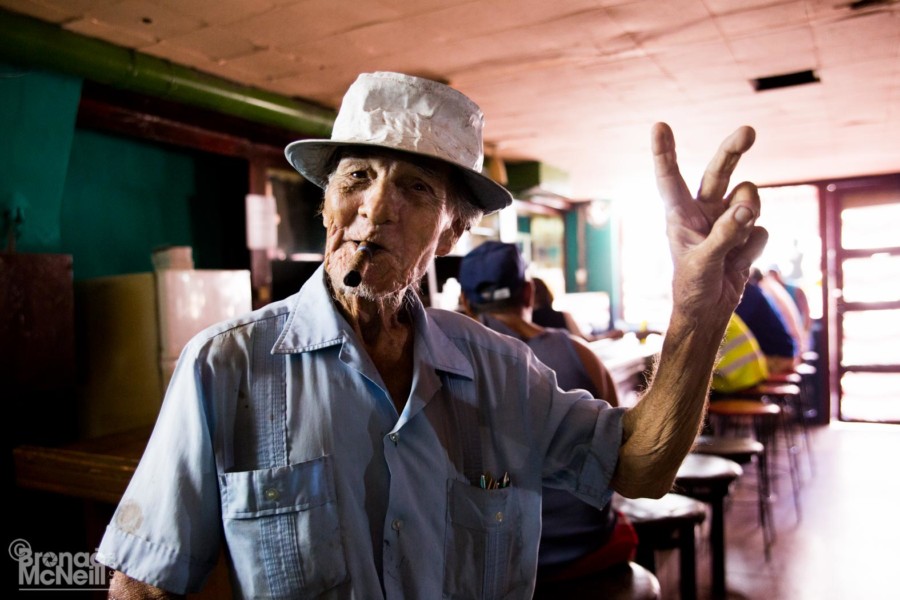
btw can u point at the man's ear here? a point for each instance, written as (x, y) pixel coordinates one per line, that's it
(449, 236)
(467, 308)
(528, 294)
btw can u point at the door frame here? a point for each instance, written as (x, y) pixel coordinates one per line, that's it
(833, 256)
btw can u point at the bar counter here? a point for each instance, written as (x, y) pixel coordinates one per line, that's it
(629, 361)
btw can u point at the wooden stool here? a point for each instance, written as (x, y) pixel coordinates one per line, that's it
(783, 394)
(665, 524)
(809, 408)
(800, 401)
(629, 581)
(708, 479)
(744, 450)
(766, 416)
(788, 377)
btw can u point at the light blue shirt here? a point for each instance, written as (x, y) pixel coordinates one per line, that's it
(278, 437)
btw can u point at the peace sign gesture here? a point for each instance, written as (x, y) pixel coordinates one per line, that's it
(713, 239)
(712, 236)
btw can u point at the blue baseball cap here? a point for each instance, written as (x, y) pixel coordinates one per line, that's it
(492, 272)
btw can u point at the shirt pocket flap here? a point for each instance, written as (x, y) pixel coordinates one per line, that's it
(301, 486)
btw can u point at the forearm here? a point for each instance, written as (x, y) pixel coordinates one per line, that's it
(660, 430)
(123, 587)
(714, 240)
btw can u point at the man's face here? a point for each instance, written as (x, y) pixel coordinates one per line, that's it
(399, 207)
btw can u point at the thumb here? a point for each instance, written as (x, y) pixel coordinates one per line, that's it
(733, 228)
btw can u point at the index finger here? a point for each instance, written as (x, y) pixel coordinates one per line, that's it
(669, 181)
(718, 172)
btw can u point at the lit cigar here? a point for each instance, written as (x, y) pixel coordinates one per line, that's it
(354, 277)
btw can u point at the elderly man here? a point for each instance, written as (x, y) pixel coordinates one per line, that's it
(347, 443)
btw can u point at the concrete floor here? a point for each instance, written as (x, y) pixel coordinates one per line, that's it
(847, 542)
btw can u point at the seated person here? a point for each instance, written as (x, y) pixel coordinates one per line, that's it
(787, 309)
(497, 293)
(741, 363)
(801, 301)
(764, 321)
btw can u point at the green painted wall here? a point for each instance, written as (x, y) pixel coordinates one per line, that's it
(523, 224)
(601, 257)
(36, 130)
(122, 199)
(571, 242)
(603, 264)
(108, 200)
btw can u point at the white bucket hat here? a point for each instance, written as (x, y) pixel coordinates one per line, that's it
(410, 114)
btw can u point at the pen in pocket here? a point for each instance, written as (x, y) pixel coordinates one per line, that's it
(487, 482)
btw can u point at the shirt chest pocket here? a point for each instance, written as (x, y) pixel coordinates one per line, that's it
(283, 530)
(484, 547)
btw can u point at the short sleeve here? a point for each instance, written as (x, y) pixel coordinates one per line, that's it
(166, 529)
(583, 439)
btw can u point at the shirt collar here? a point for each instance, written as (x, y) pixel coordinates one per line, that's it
(440, 349)
(315, 322)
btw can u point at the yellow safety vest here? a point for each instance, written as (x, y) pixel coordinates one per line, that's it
(741, 363)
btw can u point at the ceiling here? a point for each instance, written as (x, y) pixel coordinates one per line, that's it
(575, 84)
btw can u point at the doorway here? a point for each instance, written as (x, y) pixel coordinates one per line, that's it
(862, 220)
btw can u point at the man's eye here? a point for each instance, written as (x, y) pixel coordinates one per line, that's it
(420, 187)
(358, 174)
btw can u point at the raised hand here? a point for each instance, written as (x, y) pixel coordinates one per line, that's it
(713, 237)
(714, 240)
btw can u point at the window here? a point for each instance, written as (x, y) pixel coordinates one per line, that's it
(789, 213)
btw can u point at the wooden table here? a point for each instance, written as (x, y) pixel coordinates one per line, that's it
(95, 469)
(628, 361)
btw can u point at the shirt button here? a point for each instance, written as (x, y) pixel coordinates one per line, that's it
(394, 437)
(271, 494)
(499, 517)
(397, 525)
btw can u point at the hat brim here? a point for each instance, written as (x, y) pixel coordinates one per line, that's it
(311, 158)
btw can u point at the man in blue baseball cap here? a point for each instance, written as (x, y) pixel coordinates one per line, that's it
(492, 273)
(497, 292)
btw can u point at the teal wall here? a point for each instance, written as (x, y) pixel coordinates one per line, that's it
(121, 200)
(523, 224)
(601, 257)
(571, 242)
(601, 263)
(36, 129)
(109, 200)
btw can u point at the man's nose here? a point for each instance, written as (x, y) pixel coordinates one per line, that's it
(381, 203)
